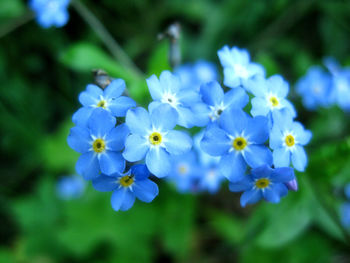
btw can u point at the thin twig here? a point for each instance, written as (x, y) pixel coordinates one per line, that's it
(16, 23)
(105, 36)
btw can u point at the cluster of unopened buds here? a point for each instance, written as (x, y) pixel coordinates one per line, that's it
(248, 137)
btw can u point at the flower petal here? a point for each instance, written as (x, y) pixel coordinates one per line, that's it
(164, 117)
(114, 89)
(233, 167)
(81, 116)
(136, 148)
(237, 98)
(259, 107)
(242, 185)
(215, 141)
(177, 142)
(250, 197)
(122, 199)
(257, 130)
(120, 106)
(105, 183)
(212, 93)
(115, 139)
(281, 157)
(101, 122)
(299, 158)
(302, 136)
(112, 162)
(233, 121)
(138, 121)
(155, 88)
(158, 162)
(283, 175)
(79, 139)
(145, 190)
(257, 155)
(88, 166)
(91, 96)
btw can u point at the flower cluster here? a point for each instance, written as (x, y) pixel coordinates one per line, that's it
(255, 151)
(321, 88)
(50, 12)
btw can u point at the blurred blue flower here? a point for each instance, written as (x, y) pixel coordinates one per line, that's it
(215, 102)
(50, 12)
(185, 172)
(341, 88)
(237, 67)
(239, 140)
(347, 191)
(100, 144)
(128, 186)
(109, 99)
(345, 214)
(168, 90)
(287, 139)
(270, 95)
(152, 136)
(315, 88)
(70, 187)
(263, 182)
(193, 75)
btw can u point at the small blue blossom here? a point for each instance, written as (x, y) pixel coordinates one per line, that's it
(193, 75)
(70, 187)
(345, 214)
(109, 99)
(287, 139)
(270, 96)
(168, 90)
(185, 172)
(263, 182)
(128, 186)
(152, 136)
(239, 140)
(315, 88)
(100, 144)
(215, 102)
(238, 68)
(341, 88)
(347, 191)
(50, 12)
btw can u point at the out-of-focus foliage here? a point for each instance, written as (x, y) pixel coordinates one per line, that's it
(43, 71)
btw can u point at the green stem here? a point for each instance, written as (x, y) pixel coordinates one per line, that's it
(105, 36)
(16, 23)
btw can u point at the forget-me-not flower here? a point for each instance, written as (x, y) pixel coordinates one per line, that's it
(239, 140)
(100, 144)
(128, 186)
(50, 12)
(70, 187)
(152, 136)
(238, 68)
(263, 182)
(287, 139)
(109, 99)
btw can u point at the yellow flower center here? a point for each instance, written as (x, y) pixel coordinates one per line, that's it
(290, 140)
(274, 101)
(262, 183)
(239, 143)
(99, 145)
(126, 180)
(182, 169)
(102, 104)
(155, 138)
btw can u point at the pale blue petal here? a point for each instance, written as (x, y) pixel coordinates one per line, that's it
(243, 185)
(278, 86)
(302, 136)
(138, 121)
(257, 130)
(136, 148)
(122, 199)
(88, 166)
(101, 122)
(215, 141)
(188, 96)
(164, 117)
(283, 175)
(129, 200)
(212, 93)
(91, 96)
(158, 162)
(234, 121)
(237, 98)
(271, 195)
(257, 155)
(105, 183)
(233, 167)
(259, 107)
(120, 106)
(112, 162)
(155, 88)
(177, 142)
(276, 138)
(281, 157)
(145, 190)
(186, 117)
(115, 139)
(170, 82)
(299, 158)
(250, 197)
(230, 78)
(81, 117)
(114, 89)
(79, 139)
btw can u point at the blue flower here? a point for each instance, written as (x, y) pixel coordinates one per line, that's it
(270, 95)
(347, 191)
(193, 75)
(341, 88)
(127, 186)
(287, 139)
(152, 136)
(315, 88)
(185, 172)
(216, 102)
(237, 67)
(168, 90)
(109, 99)
(100, 144)
(50, 12)
(345, 214)
(70, 187)
(239, 140)
(263, 182)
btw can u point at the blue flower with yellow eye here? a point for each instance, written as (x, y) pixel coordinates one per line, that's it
(50, 12)
(238, 68)
(70, 187)
(109, 99)
(287, 139)
(100, 144)
(193, 75)
(239, 140)
(270, 96)
(152, 137)
(215, 102)
(315, 88)
(169, 90)
(263, 182)
(127, 187)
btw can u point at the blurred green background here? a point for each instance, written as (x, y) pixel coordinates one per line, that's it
(43, 71)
